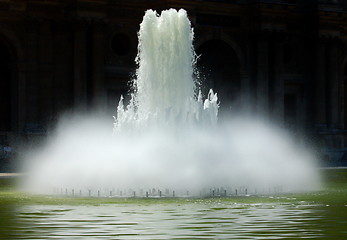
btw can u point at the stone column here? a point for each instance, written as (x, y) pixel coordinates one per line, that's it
(45, 73)
(80, 70)
(278, 105)
(63, 81)
(344, 105)
(98, 81)
(341, 83)
(21, 105)
(344, 100)
(245, 91)
(262, 91)
(32, 83)
(320, 91)
(334, 85)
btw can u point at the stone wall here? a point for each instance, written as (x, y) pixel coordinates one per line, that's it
(289, 59)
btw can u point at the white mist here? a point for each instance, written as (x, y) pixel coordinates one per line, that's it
(167, 138)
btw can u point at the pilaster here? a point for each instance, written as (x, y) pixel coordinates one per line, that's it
(80, 71)
(98, 52)
(320, 91)
(278, 88)
(334, 86)
(262, 76)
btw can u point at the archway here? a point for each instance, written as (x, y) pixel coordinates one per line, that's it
(7, 87)
(219, 69)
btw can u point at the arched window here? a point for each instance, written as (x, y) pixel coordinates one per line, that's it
(219, 69)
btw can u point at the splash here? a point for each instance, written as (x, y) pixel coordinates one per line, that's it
(166, 141)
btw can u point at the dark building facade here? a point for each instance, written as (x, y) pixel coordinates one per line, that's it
(286, 59)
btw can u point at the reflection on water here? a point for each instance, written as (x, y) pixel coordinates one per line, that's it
(194, 219)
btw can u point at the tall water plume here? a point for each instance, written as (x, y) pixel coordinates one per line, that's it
(164, 90)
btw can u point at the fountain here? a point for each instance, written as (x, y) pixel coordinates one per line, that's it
(164, 90)
(166, 141)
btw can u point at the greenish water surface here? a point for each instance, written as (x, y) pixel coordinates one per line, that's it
(316, 215)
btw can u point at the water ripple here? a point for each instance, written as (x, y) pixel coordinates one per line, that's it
(198, 220)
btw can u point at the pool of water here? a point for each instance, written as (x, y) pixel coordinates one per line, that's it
(316, 215)
(183, 219)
